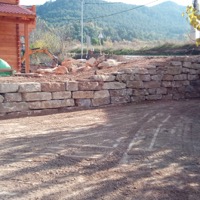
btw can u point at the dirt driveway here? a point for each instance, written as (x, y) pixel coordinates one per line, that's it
(134, 152)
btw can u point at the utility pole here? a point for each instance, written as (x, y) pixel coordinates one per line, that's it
(100, 42)
(82, 3)
(195, 5)
(196, 33)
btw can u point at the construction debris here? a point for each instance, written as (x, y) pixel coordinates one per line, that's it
(74, 66)
(61, 70)
(108, 63)
(92, 62)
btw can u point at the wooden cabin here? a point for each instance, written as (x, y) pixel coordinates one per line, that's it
(16, 21)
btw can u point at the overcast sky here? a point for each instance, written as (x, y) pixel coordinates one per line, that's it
(140, 2)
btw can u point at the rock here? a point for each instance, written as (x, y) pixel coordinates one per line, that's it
(28, 74)
(37, 96)
(71, 65)
(91, 62)
(13, 107)
(187, 64)
(60, 70)
(152, 91)
(8, 87)
(174, 70)
(108, 63)
(138, 98)
(120, 99)
(101, 101)
(154, 97)
(180, 83)
(180, 77)
(68, 62)
(167, 97)
(151, 67)
(135, 84)
(113, 85)
(113, 63)
(168, 78)
(61, 95)
(101, 94)
(196, 84)
(29, 87)
(193, 71)
(1, 98)
(83, 95)
(52, 87)
(140, 92)
(105, 78)
(152, 84)
(142, 77)
(161, 90)
(45, 71)
(178, 96)
(156, 77)
(152, 71)
(193, 77)
(100, 60)
(83, 103)
(166, 84)
(51, 104)
(125, 77)
(71, 86)
(122, 92)
(72, 68)
(103, 65)
(13, 97)
(141, 71)
(182, 89)
(176, 63)
(185, 70)
(128, 71)
(88, 86)
(195, 66)
(83, 69)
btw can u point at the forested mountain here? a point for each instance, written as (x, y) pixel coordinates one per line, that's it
(163, 21)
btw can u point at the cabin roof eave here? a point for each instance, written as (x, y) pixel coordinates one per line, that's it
(16, 11)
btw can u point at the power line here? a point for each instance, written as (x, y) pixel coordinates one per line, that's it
(112, 14)
(134, 8)
(103, 3)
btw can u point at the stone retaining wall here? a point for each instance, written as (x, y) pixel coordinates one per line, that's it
(170, 81)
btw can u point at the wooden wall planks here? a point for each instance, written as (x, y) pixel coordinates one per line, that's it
(8, 41)
(10, 1)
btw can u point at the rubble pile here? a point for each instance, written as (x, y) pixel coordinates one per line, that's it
(74, 66)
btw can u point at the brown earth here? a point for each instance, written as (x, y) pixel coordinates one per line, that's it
(145, 151)
(141, 62)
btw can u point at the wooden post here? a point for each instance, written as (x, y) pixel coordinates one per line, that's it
(18, 49)
(27, 60)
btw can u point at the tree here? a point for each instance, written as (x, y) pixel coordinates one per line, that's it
(194, 17)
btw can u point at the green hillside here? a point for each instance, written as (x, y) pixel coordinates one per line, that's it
(163, 21)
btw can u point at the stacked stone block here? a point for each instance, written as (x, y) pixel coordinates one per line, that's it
(172, 81)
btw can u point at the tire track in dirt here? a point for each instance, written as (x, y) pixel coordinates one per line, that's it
(140, 134)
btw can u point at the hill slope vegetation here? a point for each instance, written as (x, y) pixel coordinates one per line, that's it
(163, 21)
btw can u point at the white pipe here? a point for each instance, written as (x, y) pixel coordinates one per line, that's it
(82, 2)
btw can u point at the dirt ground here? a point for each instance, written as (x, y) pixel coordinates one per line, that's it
(145, 151)
(127, 62)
